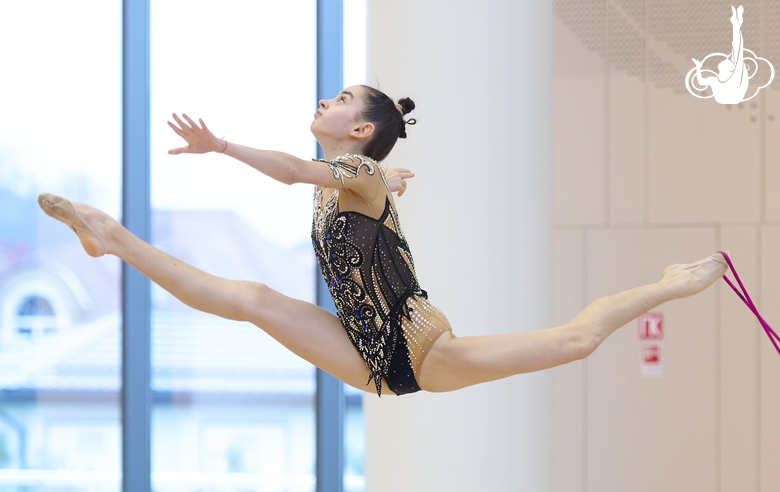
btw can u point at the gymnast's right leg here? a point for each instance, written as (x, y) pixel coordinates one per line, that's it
(456, 362)
(307, 330)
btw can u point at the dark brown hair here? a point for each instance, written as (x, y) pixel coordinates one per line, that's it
(389, 123)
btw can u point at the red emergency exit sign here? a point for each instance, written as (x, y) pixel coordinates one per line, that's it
(651, 326)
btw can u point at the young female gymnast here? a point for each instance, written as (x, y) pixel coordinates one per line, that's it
(394, 336)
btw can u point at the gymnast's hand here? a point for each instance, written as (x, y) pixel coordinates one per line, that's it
(396, 179)
(199, 138)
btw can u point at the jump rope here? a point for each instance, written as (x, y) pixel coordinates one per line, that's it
(773, 337)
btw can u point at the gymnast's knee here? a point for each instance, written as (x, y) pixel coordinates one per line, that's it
(252, 300)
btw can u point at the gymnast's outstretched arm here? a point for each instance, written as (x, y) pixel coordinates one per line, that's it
(282, 167)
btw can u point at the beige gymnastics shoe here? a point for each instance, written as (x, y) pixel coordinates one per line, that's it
(697, 276)
(64, 211)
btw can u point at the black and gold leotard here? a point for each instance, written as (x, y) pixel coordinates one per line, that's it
(368, 268)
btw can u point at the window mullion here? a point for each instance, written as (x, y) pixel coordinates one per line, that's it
(330, 391)
(136, 303)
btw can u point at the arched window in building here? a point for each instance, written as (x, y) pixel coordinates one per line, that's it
(35, 317)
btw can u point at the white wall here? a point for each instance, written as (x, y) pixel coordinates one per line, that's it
(478, 219)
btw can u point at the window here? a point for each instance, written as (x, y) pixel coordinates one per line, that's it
(35, 317)
(354, 53)
(231, 405)
(60, 97)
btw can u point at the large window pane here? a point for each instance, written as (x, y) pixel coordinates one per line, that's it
(60, 131)
(233, 409)
(354, 53)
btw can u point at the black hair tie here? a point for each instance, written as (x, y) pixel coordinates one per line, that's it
(402, 132)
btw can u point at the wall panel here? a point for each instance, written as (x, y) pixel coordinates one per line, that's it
(683, 177)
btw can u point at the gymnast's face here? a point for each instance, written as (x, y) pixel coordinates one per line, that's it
(340, 117)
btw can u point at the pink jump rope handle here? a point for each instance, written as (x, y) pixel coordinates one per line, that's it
(773, 337)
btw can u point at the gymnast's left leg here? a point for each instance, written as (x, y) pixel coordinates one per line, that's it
(305, 329)
(456, 362)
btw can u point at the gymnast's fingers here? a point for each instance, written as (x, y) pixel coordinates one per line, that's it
(178, 150)
(193, 125)
(402, 172)
(182, 124)
(403, 187)
(176, 129)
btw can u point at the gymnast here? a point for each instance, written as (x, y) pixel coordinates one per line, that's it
(394, 336)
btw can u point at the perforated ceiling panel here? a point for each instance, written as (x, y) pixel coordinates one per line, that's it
(626, 43)
(656, 39)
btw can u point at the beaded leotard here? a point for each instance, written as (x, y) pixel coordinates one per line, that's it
(368, 268)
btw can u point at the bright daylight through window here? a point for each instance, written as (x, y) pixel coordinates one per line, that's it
(232, 409)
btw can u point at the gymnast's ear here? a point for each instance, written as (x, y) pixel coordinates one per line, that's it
(363, 131)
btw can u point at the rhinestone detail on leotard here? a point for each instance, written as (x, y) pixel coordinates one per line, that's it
(369, 271)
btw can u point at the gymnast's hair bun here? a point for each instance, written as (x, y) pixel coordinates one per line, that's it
(407, 105)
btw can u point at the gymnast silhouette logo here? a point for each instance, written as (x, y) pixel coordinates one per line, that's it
(730, 84)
